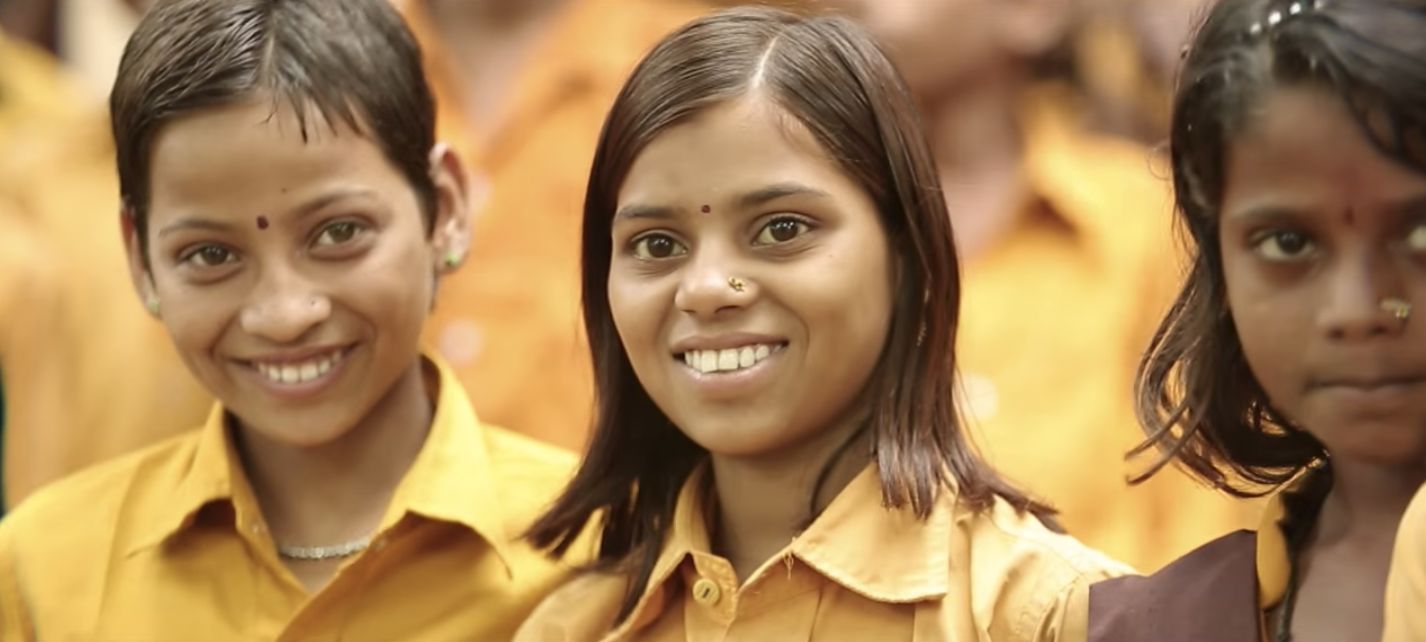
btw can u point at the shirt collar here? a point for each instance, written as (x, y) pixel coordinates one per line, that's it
(450, 480)
(884, 554)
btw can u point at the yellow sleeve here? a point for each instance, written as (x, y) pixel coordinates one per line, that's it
(1406, 584)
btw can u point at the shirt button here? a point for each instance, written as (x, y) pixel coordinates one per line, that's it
(706, 592)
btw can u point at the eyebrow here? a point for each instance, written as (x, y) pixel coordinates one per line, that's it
(751, 199)
(776, 191)
(1414, 205)
(199, 223)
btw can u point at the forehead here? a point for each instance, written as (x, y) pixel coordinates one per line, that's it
(1301, 143)
(250, 158)
(728, 149)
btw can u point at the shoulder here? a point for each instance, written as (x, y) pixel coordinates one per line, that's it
(1021, 540)
(1036, 580)
(582, 610)
(1219, 577)
(42, 527)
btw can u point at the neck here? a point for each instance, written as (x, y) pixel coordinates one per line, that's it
(1366, 503)
(1343, 564)
(978, 144)
(339, 491)
(765, 501)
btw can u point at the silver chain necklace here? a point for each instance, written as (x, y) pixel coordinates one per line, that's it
(319, 553)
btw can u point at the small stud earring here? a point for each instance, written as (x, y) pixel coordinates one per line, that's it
(453, 259)
(152, 305)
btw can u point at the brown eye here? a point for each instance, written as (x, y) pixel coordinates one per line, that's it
(210, 256)
(338, 233)
(1284, 245)
(658, 246)
(781, 230)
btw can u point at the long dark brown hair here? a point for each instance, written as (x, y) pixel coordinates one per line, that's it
(1197, 398)
(826, 73)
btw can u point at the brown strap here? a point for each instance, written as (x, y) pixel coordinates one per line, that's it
(1208, 594)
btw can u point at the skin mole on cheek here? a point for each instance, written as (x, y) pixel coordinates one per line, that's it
(262, 222)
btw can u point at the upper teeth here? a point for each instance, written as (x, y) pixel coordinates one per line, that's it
(706, 361)
(299, 372)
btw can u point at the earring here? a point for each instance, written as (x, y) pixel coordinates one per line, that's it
(1398, 309)
(737, 284)
(152, 305)
(453, 259)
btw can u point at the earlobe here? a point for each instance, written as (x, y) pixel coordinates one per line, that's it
(450, 235)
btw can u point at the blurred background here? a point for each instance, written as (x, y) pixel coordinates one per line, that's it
(1045, 115)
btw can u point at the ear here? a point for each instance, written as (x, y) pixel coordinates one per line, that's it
(450, 234)
(139, 272)
(1031, 28)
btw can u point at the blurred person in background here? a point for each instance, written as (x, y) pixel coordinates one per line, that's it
(76, 351)
(1068, 259)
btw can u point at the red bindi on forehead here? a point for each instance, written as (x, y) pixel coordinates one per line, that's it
(262, 222)
(705, 209)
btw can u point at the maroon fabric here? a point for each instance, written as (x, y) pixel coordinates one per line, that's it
(1210, 594)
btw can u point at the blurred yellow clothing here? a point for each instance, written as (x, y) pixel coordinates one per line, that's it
(168, 544)
(509, 322)
(98, 377)
(1054, 318)
(32, 90)
(1406, 586)
(859, 572)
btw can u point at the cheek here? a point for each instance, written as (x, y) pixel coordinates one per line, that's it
(637, 310)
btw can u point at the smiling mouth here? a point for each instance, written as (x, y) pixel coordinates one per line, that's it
(299, 372)
(729, 359)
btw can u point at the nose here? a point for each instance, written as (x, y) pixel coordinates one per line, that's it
(1356, 306)
(711, 286)
(284, 307)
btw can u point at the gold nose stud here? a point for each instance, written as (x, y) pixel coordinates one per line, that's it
(1397, 308)
(737, 284)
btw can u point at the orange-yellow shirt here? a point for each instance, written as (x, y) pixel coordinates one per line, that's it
(859, 572)
(1406, 585)
(509, 323)
(1054, 318)
(168, 544)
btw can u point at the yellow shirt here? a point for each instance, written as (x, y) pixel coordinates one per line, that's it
(859, 572)
(1055, 316)
(168, 544)
(1406, 585)
(510, 323)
